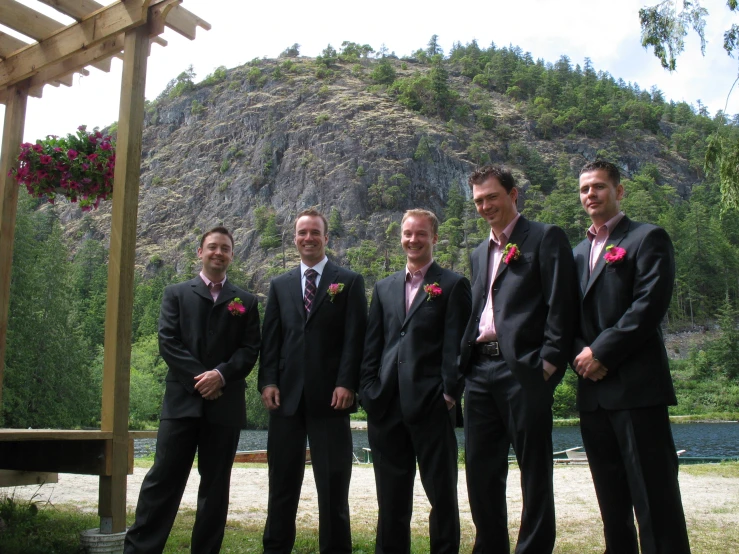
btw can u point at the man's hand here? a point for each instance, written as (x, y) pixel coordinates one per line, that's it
(450, 402)
(271, 397)
(342, 398)
(588, 367)
(209, 384)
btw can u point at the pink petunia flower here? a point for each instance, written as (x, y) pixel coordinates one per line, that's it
(614, 254)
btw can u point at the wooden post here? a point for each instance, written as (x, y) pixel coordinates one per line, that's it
(15, 117)
(117, 358)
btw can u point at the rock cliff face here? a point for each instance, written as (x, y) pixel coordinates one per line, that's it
(287, 140)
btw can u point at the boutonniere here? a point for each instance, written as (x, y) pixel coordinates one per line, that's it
(614, 254)
(236, 307)
(334, 289)
(511, 253)
(432, 291)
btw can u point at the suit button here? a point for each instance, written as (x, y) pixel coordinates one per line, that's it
(402, 333)
(477, 319)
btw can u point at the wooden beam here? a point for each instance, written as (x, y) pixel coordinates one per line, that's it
(85, 457)
(76, 9)
(119, 307)
(10, 44)
(12, 478)
(28, 21)
(102, 25)
(14, 435)
(15, 117)
(185, 22)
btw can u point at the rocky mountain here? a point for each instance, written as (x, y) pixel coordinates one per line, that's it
(251, 146)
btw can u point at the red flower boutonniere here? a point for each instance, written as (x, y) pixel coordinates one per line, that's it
(334, 289)
(236, 307)
(432, 291)
(614, 254)
(511, 253)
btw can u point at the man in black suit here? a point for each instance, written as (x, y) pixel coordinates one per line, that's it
(314, 327)
(627, 271)
(209, 338)
(515, 350)
(410, 385)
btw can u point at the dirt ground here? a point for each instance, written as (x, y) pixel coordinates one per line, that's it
(711, 499)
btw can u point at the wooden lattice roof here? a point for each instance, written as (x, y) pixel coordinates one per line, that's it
(53, 52)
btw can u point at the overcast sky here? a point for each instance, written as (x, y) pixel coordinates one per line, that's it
(606, 31)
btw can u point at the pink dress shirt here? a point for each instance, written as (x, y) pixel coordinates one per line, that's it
(413, 283)
(599, 238)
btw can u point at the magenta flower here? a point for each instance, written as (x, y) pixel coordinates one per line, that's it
(236, 307)
(432, 291)
(334, 289)
(38, 148)
(614, 254)
(511, 253)
(44, 159)
(92, 157)
(72, 154)
(105, 145)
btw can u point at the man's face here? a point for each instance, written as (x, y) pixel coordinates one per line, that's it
(600, 196)
(216, 254)
(495, 204)
(418, 239)
(311, 239)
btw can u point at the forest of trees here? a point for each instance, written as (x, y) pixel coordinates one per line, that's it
(58, 291)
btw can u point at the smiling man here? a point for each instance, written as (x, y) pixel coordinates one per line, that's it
(314, 327)
(627, 271)
(410, 385)
(209, 339)
(516, 347)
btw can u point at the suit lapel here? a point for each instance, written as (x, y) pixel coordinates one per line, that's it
(615, 238)
(582, 252)
(201, 289)
(228, 293)
(433, 275)
(296, 291)
(518, 237)
(330, 272)
(397, 290)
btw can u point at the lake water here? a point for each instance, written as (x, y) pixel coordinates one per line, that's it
(697, 439)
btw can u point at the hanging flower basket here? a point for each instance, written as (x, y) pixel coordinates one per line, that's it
(79, 167)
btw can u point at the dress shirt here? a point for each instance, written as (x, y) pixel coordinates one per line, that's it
(413, 283)
(598, 238)
(214, 292)
(318, 269)
(495, 254)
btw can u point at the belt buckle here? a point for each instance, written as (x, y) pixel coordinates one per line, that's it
(492, 349)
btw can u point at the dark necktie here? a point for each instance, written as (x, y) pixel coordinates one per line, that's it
(310, 289)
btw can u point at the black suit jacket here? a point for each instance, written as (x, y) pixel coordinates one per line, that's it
(534, 301)
(622, 307)
(197, 335)
(416, 354)
(313, 355)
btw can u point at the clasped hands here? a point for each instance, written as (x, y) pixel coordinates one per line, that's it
(342, 398)
(209, 384)
(588, 366)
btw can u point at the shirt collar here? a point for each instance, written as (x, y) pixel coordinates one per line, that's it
(507, 231)
(609, 226)
(318, 267)
(423, 270)
(208, 281)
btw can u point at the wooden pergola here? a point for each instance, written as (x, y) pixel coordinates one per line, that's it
(54, 53)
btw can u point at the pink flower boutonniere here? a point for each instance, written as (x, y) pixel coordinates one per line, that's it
(614, 254)
(236, 307)
(511, 253)
(334, 289)
(432, 291)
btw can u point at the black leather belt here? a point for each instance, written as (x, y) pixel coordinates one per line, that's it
(490, 349)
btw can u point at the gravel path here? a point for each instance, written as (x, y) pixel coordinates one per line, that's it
(705, 498)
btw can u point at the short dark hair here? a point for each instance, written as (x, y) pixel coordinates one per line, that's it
(502, 174)
(312, 212)
(601, 165)
(221, 230)
(431, 216)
